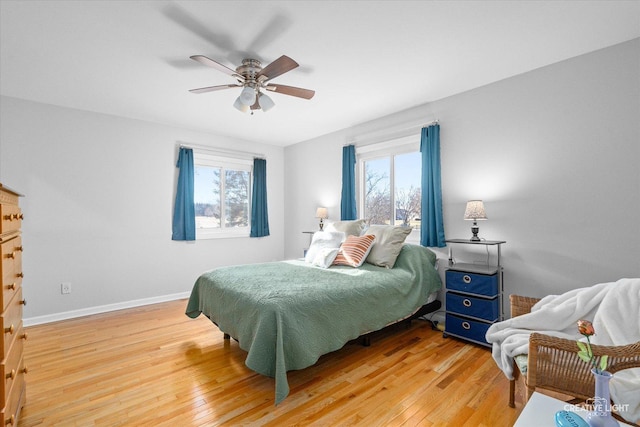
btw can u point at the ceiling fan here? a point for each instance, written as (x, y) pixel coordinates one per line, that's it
(253, 79)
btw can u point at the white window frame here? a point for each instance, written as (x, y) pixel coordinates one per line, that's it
(391, 148)
(211, 159)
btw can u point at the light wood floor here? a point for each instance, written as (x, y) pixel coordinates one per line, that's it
(153, 366)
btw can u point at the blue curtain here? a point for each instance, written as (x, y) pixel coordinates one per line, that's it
(432, 227)
(259, 214)
(184, 214)
(348, 209)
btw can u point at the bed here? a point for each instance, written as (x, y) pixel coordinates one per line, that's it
(287, 314)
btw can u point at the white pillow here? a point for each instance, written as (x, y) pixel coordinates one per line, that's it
(349, 228)
(325, 256)
(389, 241)
(322, 240)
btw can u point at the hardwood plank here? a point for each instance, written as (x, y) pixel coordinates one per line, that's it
(153, 366)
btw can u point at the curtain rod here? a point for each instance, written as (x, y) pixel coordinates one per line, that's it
(390, 135)
(223, 151)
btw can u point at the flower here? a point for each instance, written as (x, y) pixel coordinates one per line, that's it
(586, 328)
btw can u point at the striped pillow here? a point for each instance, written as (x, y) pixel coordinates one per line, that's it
(354, 250)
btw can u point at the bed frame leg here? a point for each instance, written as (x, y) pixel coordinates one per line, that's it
(227, 336)
(366, 341)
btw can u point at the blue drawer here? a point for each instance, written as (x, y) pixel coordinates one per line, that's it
(474, 283)
(466, 328)
(467, 305)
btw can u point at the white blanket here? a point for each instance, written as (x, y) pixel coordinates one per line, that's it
(614, 309)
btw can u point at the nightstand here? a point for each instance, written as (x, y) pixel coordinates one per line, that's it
(473, 295)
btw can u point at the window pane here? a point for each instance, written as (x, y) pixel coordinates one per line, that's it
(236, 193)
(408, 171)
(377, 195)
(207, 196)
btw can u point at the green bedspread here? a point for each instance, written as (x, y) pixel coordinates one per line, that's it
(287, 314)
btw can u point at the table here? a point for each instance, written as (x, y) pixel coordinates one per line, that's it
(541, 409)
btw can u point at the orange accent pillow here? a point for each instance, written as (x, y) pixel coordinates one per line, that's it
(354, 250)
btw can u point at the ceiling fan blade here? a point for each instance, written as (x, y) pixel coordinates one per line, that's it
(273, 29)
(193, 23)
(214, 64)
(290, 90)
(212, 88)
(277, 67)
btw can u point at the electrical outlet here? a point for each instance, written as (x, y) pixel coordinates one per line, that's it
(65, 288)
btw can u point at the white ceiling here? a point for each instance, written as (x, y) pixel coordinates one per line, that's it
(364, 59)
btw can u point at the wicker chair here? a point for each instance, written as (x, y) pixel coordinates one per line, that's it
(553, 363)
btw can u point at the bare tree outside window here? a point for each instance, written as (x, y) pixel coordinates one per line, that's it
(408, 206)
(377, 198)
(403, 206)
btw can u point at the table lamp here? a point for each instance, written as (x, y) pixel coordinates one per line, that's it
(475, 212)
(322, 213)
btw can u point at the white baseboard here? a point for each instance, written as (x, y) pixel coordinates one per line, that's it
(39, 320)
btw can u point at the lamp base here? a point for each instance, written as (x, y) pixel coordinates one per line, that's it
(474, 231)
(321, 224)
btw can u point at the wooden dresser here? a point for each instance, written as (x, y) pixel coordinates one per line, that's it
(12, 368)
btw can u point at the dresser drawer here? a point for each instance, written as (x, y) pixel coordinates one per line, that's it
(466, 328)
(474, 283)
(10, 218)
(15, 397)
(11, 321)
(468, 305)
(11, 255)
(11, 369)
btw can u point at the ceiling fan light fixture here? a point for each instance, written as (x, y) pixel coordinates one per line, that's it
(265, 102)
(240, 106)
(248, 96)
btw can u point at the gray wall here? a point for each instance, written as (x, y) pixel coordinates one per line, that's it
(554, 154)
(99, 200)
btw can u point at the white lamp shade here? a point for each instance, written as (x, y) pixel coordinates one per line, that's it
(265, 102)
(322, 213)
(248, 96)
(240, 106)
(475, 210)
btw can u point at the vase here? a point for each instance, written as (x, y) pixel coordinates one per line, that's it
(600, 416)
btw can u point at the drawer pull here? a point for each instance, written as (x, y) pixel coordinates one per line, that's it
(21, 216)
(10, 421)
(24, 336)
(20, 275)
(12, 255)
(9, 330)
(466, 302)
(466, 279)
(12, 287)
(11, 375)
(466, 325)
(23, 302)
(25, 370)
(19, 249)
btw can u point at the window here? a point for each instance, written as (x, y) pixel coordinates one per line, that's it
(222, 193)
(389, 176)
